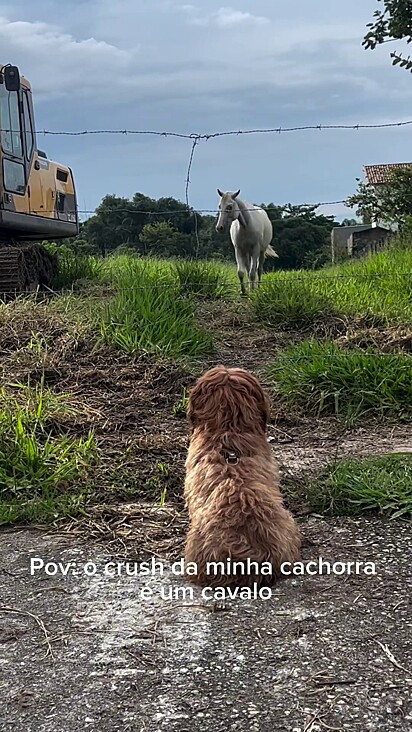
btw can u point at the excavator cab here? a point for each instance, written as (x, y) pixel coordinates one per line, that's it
(37, 195)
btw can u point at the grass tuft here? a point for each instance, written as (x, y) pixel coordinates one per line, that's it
(376, 289)
(148, 314)
(74, 267)
(357, 485)
(38, 469)
(291, 303)
(324, 379)
(206, 279)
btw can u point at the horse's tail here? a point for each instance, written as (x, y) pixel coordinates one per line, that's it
(270, 252)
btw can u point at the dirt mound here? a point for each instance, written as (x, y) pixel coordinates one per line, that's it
(386, 340)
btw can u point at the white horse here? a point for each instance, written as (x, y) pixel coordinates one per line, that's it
(251, 232)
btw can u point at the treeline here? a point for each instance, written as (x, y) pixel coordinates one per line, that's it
(166, 227)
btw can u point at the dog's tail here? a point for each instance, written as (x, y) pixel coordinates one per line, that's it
(270, 252)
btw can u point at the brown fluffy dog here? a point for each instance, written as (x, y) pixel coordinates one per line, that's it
(232, 482)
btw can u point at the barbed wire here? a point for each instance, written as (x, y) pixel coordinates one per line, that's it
(176, 212)
(194, 213)
(212, 210)
(224, 133)
(196, 138)
(279, 276)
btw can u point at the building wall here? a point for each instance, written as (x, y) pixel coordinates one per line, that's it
(340, 238)
(362, 243)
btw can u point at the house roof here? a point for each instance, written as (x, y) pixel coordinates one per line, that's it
(378, 174)
(365, 232)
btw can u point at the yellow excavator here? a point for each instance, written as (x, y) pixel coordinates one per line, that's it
(37, 196)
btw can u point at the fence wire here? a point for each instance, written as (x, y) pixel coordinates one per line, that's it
(196, 138)
(175, 212)
(225, 285)
(223, 133)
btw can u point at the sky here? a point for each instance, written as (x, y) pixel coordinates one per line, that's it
(199, 68)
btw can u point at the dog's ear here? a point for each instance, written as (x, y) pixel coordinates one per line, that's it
(265, 410)
(204, 402)
(262, 401)
(194, 395)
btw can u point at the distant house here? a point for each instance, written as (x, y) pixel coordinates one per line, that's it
(357, 241)
(368, 241)
(340, 238)
(380, 175)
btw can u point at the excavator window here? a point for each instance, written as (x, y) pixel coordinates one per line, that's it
(28, 127)
(14, 176)
(10, 122)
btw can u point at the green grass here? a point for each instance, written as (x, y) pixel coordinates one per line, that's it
(378, 289)
(357, 485)
(74, 267)
(124, 270)
(149, 314)
(206, 279)
(289, 302)
(323, 379)
(180, 408)
(39, 470)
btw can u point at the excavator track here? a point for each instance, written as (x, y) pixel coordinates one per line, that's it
(25, 267)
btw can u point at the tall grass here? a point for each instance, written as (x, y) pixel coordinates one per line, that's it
(74, 266)
(378, 288)
(353, 486)
(149, 314)
(324, 379)
(290, 302)
(39, 469)
(123, 270)
(206, 279)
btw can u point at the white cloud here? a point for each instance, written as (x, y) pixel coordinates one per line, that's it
(223, 17)
(226, 17)
(128, 54)
(55, 62)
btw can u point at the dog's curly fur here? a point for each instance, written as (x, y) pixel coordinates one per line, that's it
(236, 510)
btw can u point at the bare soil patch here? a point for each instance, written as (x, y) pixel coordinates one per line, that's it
(134, 406)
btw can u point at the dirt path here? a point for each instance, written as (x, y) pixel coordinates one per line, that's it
(302, 445)
(325, 652)
(90, 653)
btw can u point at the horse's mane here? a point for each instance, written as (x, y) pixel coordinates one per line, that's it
(244, 209)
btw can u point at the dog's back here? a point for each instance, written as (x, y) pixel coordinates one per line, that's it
(232, 481)
(236, 510)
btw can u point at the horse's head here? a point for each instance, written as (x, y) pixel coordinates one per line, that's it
(228, 210)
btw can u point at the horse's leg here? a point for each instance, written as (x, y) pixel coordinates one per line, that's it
(253, 267)
(241, 267)
(260, 266)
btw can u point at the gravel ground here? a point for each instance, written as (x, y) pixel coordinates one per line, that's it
(97, 653)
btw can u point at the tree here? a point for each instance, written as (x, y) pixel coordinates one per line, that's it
(163, 240)
(301, 237)
(391, 23)
(167, 227)
(391, 203)
(120, 221)
(112, 225)
(349, 222)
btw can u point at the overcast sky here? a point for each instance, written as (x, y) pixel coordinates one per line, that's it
(203, 67)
